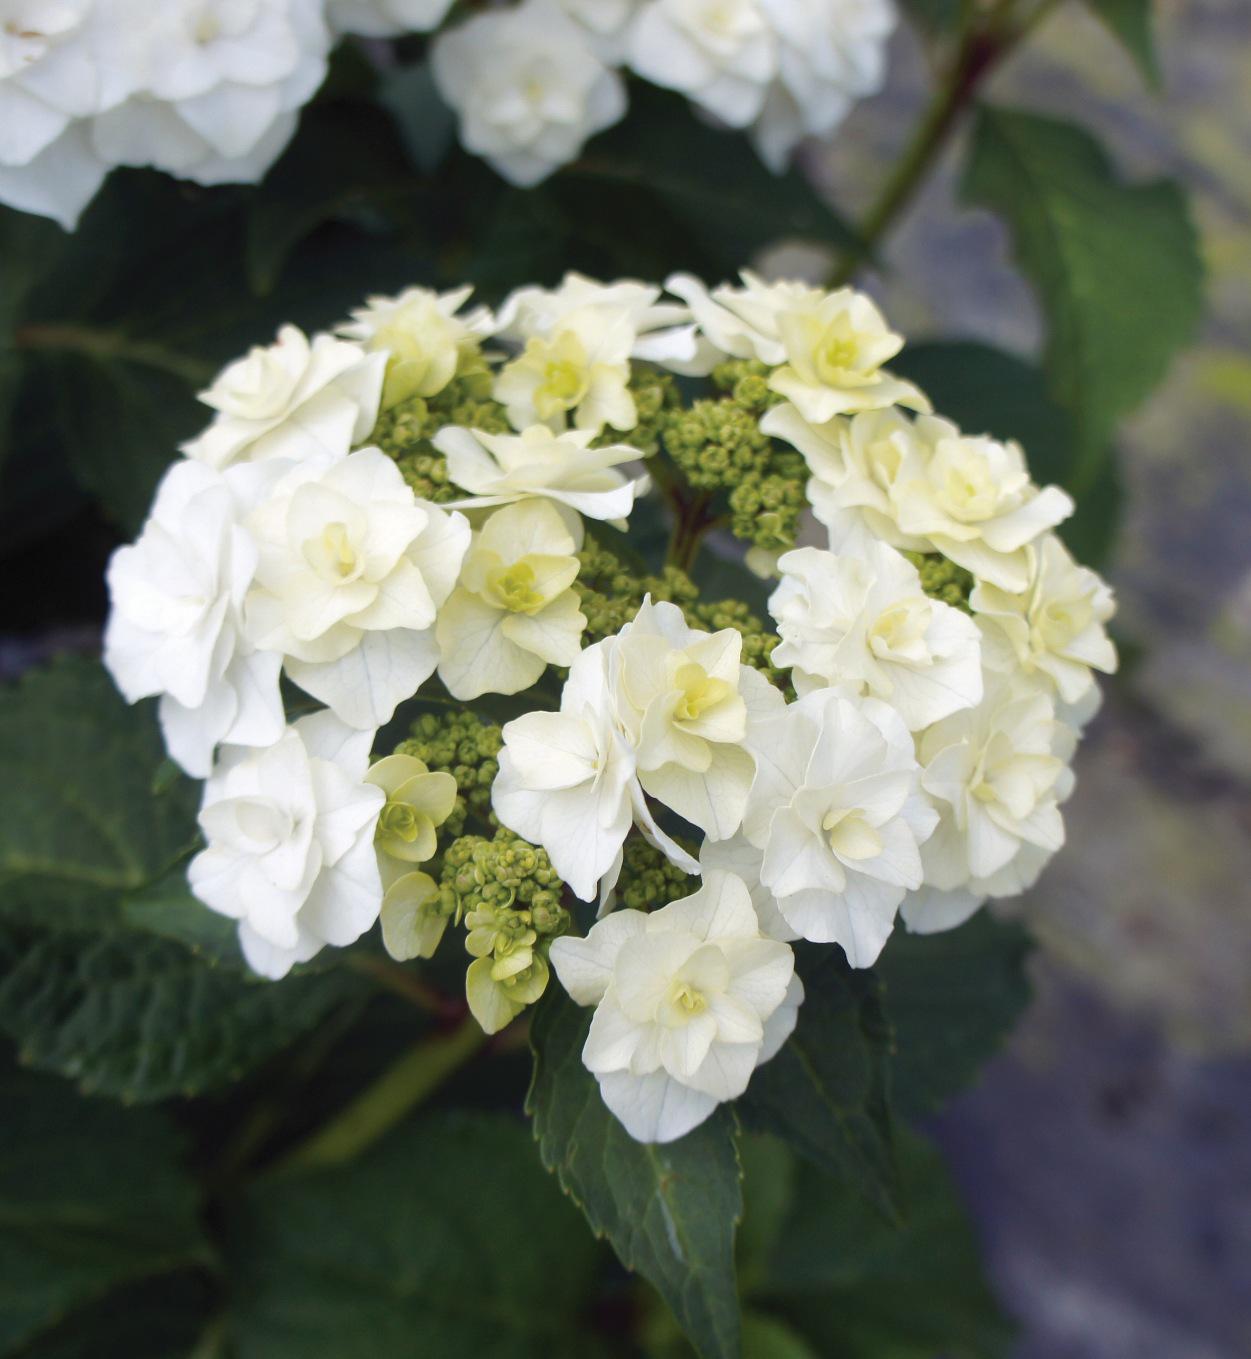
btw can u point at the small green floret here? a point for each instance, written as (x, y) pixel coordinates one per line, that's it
(942, 579)
(465, 746)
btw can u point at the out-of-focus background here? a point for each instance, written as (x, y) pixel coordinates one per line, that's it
(1107, 1155)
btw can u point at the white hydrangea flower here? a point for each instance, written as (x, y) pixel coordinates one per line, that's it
(690, 1000)
(837, 811)
(855, 464)
(739, 856)
(721, 54)
(686, 703)
(827, 348)
(528, 87)
(426, 342)
(864, 620)
(996, 775)
(565, 778)
(830, 54)
(225, 80)
(386, 18)
(577, 342)
(352, 571)
(291, 398)
(513, 612)
(971, 498)
(606, 23)
(176, 622)
(290, 831)
(1054, 627)
(498, 469)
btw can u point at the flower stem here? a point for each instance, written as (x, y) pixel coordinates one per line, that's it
(984, 43)
(112, 345)
(404, 982)
(380, 1106)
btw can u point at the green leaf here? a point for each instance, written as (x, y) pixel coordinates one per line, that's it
(140, 1018)
(445, 1239)
(985, 390)
(168, 909)
(669, 1211)
(1116, 267)
(765, 1337)
(1132, 23)
(825, 1092)
(711, 181)
(80, 825)
(91, 1196)
(952, 999)
(857, 1288)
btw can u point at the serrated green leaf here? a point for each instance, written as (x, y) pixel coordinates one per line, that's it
(1132, 23)
(168, 909)
(669, 1211)
(445, 1239)
(952, 999)
(1116, 266)
(140, 1018)
(91, 1196)
(985, 390)
(858, 1288)
(825, 1092)
(79, 824)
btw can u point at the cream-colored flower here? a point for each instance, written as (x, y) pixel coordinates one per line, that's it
(1055, 626)
(827, 348)
(352, 571)
(972, 499)
(498, 469)
(413, 919)
(837, 812)
(996, 775)
(419, 801)
(425, 340)
(864, 620)
(513, 612)
(685, 703)
(689, 999)
(291, 398)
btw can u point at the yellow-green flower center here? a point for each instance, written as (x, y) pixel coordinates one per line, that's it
(514, 588)
(697, 692)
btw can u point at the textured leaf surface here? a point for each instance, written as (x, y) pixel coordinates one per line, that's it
(952, 999)
(81, 821)
(140, 1018)
(825, 1092)
(1116, 266)
(670, 1211)
(858, 1288)
(445, 1239)
(90, 1196)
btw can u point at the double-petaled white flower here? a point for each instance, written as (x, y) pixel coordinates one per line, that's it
(830, 53)
(827, 349)
(1054, 627)
(576, 345)
(721, 54)
(528, 87)
(565, 778)
(837, 812)
(426, 341)
(352, 571)
(291, 399)
(513, 612)
(689, 999)
(498, 469)
(606, 24)
(290, 831)
(864, 620)
(386, 18)
(996, 775)
(686, 704)
(176, 621)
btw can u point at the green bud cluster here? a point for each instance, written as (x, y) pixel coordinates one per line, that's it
(717, 444)
(610, 593)
(758, 640)
(656, 397)
(404, 431)
(942, 579)
(465, 746)
(648, 880)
